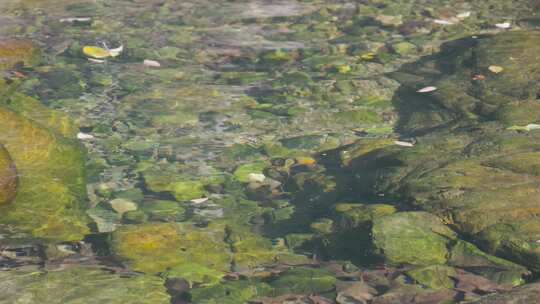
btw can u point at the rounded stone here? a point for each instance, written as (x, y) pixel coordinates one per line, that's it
(8, 177)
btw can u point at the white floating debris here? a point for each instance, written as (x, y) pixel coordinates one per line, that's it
(505, 25)
(464, 15)
(403, 143)
(256, 177)
(75, 19)
(199, 200)
(151, 63)
(115, 52)
(427, 89)
(96, 60)
(495, 69)
(443, 22)
(528, 127)
(84, 136)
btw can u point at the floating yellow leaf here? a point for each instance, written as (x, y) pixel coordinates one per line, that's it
(368, 56)
(344, 69)
(96, 52)
(306, 161)
(495, 69)
(102, 53)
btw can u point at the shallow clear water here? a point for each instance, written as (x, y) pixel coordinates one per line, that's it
(212, 130)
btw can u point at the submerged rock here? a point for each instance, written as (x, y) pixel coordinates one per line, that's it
(417, 238)
(8, 177)
(467, 166)
(156, 247)
(51, 176)
(13, 51)
(79, 284)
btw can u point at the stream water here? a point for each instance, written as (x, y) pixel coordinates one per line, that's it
(173, 151)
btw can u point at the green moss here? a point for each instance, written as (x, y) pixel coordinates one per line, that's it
(8, 177)
(237, 292)
(79, 284)
(50, 197)
(361, 116)
(154, 248)
(303, 280)
(194, 274)
(466, 255)
(417, 238)
(360, 215)
(435, 277)
(181, 187)
(13, 51)
(162, 210)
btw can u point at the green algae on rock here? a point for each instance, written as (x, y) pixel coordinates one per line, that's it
(13, 51)
(51, 191)
(465, 166)
(79, 284)
(157, 247)
(8, 177)
(417, 238)
(236, 292)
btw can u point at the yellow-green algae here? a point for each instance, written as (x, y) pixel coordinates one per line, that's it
(157, 247)
(50, 167)
(8, 177)
(79, 284)
(51, 188)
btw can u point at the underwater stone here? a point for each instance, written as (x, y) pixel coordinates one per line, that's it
(156, 247)
(435, 276)
(49, 202)
(467, 166)
(416, 238)
(13, 51)
(236, 292)
(304, 280)
(79, 284)
(8, 177)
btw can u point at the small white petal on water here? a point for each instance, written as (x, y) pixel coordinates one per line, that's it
(116, 51)
(528, 127)
(84, 136)
(505, 25)
(75, 19)
(256, 177)
(151, 63)
(464, 15)
(427, 89)
(403, 143)
(199, 200)
(495, 69)
(96, 60)
(443, 22)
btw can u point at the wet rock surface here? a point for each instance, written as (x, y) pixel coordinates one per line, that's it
(268, 152)
(467, 168)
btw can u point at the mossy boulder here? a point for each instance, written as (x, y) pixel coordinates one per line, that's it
(157, 247)
(79, 284)
(468, 165)
(435, 276)
(180, 186)
(236, 292)
(13, 51)
(416, 238)
(304, 280)
(50, 167)
(8, 177)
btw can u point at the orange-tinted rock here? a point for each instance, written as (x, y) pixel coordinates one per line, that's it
(13, 51)
(8, 177)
